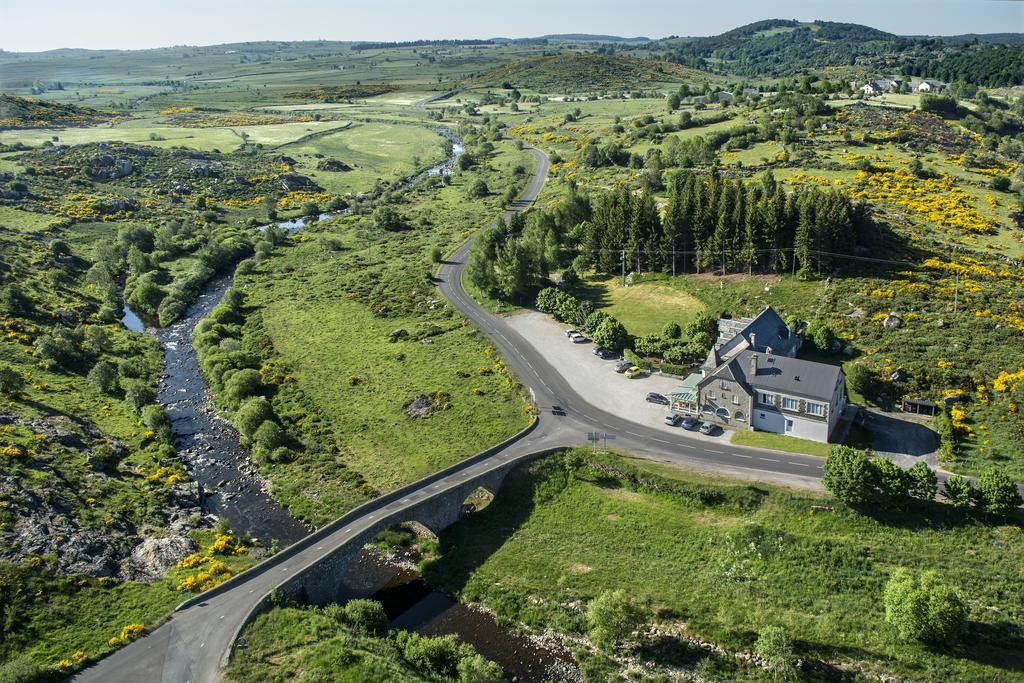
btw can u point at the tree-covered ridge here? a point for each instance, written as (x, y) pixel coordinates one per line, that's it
(777, 47)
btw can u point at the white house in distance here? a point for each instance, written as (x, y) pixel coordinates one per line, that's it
(751, 380)
(878, 86)
(928, 86)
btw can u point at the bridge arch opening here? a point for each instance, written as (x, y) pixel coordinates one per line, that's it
(476, 501)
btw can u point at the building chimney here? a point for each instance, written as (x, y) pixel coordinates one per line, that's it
(753, 365)
(753, 340)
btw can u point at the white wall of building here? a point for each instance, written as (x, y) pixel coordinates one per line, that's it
(801, 428)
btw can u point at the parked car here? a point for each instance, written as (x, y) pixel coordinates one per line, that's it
(569, 332)
(622, 366)
(607, 354)
(598, 350)
(557, 410)
(633, 372)
(689, 422)
(673, 419)
(657, 398)
(579, 339)
(708, 427)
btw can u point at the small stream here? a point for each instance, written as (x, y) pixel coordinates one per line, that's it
(213, 455)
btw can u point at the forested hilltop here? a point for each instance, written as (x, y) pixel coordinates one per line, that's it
(782, 47)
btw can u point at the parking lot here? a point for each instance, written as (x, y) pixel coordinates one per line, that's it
(596, 381)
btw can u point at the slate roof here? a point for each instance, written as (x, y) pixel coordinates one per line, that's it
(764, 331)
(784, 375)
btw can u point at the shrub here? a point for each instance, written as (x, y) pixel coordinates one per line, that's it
(594, 320)
(131, 367)
(11, 381)
(568, 305)
(241, 385)
(21, 669)
(923, 482)
(1000, 183)
(773, 646)
(269, 436)
(439, 656)
(611, 334)
(996, 493)
(958, 491)
(848, 475)
(547, 300)
(104, 376)
(822, 335)
(477, 669)
(387, 217)
(138, 396)
(253, 413)
(366, 616)
(611, 617)
(158, 421)
(671, 331)
(479, 189)
(860, 378)
(925, 609)
(15, 300)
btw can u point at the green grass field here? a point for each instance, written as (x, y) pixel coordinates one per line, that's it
(322, 310)
(746, 558)
(373, 150)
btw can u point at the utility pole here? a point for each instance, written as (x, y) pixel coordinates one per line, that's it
(622, 257)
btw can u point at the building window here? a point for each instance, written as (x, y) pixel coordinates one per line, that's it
(723, 384)
(816, 409)
(768, 399)
(735, 400)
(790, 404)
(763, 416)
(789, 425)
(711, 395)
(739, 416)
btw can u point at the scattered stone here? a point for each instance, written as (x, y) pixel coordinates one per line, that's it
(395, 335)
(893, 321)
(154, 556)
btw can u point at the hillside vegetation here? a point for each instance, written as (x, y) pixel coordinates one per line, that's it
(581, 72)
(26, 112)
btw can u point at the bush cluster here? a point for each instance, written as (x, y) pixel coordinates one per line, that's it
(235, 379)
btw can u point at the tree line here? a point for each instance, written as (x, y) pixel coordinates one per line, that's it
(710, 223)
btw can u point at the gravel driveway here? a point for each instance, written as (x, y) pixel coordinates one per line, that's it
(596, 381)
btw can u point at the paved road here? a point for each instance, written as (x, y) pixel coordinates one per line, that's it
(191, 645)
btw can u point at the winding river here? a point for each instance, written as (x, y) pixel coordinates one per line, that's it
(212, 453)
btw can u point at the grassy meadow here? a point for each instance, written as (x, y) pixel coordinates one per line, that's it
(321, 312)
(720, 561)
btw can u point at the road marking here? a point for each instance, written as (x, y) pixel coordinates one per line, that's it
(221, 616)
(202, 645)
(686, 445)
(801, 464)
(661, 441)
(770, 460)
(712, 450)
(284, 569)
(634, 433)
(740, 455)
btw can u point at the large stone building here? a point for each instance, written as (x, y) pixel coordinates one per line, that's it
(752, 380)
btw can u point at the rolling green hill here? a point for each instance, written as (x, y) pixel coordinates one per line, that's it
(581, 72)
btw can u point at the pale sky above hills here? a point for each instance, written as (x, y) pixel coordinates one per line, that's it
(49, 24)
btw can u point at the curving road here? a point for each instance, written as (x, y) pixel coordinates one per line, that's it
(192, 645)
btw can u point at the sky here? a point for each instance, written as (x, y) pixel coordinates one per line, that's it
(34, 25)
